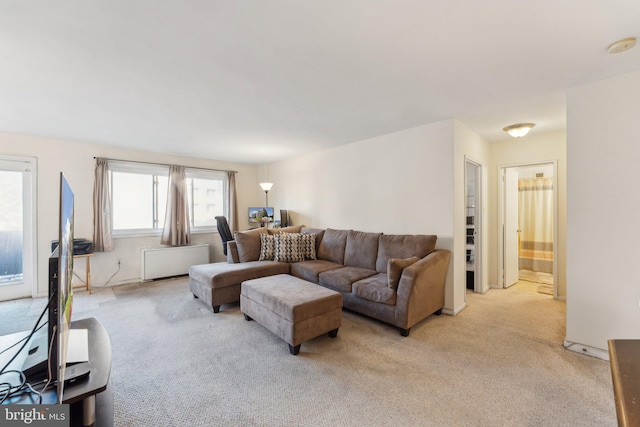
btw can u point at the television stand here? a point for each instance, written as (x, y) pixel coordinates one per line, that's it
(83, 394)
(90, 398)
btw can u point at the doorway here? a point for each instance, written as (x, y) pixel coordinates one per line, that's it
(17, 227)
(528, 218)
(473, 225)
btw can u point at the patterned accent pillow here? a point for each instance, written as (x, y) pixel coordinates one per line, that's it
(395, 267)
(309, 246)
(289, 247)
(267, 247)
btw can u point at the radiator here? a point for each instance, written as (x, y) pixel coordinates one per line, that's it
(175, 261)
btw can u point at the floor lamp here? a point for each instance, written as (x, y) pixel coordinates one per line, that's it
(266, 186)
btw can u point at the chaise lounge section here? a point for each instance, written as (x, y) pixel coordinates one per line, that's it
(398, 279)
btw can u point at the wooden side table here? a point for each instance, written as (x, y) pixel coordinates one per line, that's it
(87, 271)
(625, 372)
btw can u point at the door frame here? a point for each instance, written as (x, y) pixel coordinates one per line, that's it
(479, 221)
(29, 168)
(501, 217)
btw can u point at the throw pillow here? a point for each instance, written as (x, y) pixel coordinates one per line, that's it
(395, 267)
(288, 247)
(308, 246)
(248, 244)
(267, 247)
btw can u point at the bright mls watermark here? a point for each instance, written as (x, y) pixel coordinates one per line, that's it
(35, 415)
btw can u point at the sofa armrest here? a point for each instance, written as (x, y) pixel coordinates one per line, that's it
(421, 288)
(232, 252)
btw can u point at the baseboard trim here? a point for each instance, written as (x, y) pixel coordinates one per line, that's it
(458, 309)
(587, 350)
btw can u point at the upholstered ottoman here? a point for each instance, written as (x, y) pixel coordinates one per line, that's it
(219, 283)
(293, 309)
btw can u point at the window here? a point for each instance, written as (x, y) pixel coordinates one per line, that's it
(139, 196)
(17, 227)
(206, 197)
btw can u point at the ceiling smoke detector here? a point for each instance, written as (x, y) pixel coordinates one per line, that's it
(622, 45)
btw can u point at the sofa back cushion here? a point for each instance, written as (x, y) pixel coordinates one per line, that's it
(332, 245)
(292, 229)
(403, 246)
(248, 244)
(361, 249)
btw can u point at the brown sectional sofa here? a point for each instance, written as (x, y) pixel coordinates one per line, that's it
(398, 279)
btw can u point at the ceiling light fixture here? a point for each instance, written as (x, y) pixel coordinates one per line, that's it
(519, 130)
(622, 45)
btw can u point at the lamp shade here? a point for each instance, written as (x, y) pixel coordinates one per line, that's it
(518, 130)
(266, 186)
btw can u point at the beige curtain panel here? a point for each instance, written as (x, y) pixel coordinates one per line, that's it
(536, 223)
(102, 228)
(177, 229)
(232, 202)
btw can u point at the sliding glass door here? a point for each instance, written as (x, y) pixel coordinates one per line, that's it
(17, 227)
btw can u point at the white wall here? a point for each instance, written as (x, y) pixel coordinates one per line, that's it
(469, 144)
(603, 150)
(75, 159)
(530, 149)
(397, 183)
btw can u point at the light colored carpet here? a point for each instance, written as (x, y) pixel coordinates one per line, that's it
(500, 362)
(536, 276)
(532, 287)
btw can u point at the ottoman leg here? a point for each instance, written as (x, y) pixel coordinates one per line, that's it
(333, 333)
(216, 308)
(294, 349)
(247, 318)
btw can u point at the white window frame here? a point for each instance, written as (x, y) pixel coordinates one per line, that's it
(29, 168)
(212, 175)
(163, 170)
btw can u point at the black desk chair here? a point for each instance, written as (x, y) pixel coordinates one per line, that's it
(224, 231)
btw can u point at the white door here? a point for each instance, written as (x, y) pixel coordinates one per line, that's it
(510, 227)
(17, 243)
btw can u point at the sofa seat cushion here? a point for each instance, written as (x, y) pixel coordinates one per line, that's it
(341, 279)
(309, 270)
(222, 274)
(376, 289)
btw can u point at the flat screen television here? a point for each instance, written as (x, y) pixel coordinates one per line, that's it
(47, 351)
(260, 215)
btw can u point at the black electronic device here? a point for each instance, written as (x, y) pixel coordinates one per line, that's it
(47, 348)
(261, 215)
(80, 246)
(76, 372)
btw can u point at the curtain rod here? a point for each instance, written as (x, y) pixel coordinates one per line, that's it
(166, 164)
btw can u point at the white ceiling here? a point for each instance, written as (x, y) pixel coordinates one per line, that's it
(261, 80)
